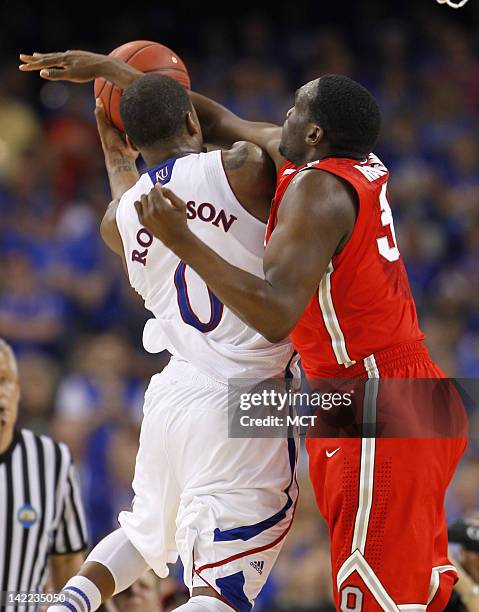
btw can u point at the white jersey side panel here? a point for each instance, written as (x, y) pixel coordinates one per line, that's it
(189, 321)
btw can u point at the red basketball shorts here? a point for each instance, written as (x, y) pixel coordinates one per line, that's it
(383, 496)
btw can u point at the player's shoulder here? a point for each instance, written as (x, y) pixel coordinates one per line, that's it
(321, 194)
(143, 185)
(245, 154)
(252, 177)
(246, 161)
(119, 211)
(316, 183)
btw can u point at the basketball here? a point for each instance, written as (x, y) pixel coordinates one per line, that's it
(147, 56)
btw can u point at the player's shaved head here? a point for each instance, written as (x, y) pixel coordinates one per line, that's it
(332, 116)
(348, 114)
(153, 109)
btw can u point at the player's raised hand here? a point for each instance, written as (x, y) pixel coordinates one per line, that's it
(113, 142)
(163, 213)
(75, 66)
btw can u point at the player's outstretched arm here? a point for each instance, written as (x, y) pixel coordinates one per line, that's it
(79, 67)
(220, 126)
(317, 216)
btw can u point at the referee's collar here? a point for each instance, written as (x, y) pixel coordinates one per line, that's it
(9, 450)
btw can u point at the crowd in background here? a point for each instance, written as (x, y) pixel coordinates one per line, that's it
(75, 324)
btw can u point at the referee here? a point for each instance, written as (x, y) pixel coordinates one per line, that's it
(42, 524)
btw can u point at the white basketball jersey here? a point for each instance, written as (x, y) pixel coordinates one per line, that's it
(189, 320)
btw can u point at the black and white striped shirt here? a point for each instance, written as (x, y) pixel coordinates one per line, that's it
(40, 510)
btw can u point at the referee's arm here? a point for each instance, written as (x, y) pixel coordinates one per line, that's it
(70, 538)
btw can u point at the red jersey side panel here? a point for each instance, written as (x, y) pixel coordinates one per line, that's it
(364, 302)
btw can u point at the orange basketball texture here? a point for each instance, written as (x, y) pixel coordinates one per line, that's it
(147, 56)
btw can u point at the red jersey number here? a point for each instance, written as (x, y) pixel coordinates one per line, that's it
(387, 245)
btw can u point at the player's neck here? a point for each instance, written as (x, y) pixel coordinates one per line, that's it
(156, 156)
(319, 153)
(315, 154)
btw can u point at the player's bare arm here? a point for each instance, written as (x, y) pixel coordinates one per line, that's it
(79, 67)
(252, 177)
(316, 218)
(120, 159)
(63, 567)
(220, 126)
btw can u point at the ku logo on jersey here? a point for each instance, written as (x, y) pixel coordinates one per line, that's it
(162, 174)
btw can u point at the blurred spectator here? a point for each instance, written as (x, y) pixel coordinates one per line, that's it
(259, 91)
(96, 408)
(465, 533)
(463, 495)
(20, 127)
(142, 596)
(74, 142)
(149, 594)
(31, 316)
(41, 374)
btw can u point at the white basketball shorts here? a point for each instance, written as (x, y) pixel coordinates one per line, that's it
(223, 504)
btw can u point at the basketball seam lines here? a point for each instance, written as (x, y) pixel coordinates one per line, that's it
(130, 57)
(136, 51)
(126, 61)
(163, 70)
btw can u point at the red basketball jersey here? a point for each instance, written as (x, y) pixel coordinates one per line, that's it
(363, 304)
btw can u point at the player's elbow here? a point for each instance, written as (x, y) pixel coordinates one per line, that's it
(109, 229)
(274, 335)
(278, 318)
(277, 329)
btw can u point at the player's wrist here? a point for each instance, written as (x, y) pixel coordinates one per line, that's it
(117, 71)
(183, 242)
(116, 159)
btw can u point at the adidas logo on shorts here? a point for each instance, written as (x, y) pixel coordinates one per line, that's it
(258, 566)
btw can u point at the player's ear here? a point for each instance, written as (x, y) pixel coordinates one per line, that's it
(314, 135)
(192, 123)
